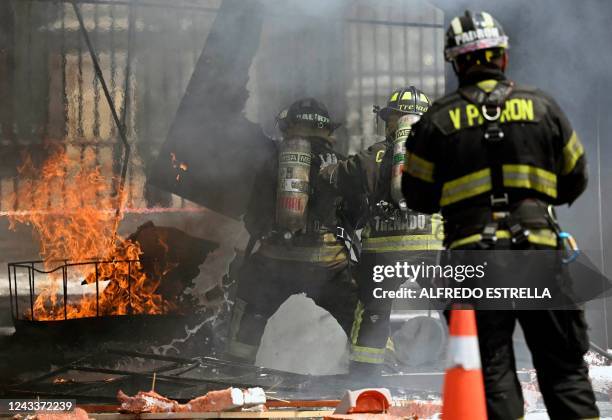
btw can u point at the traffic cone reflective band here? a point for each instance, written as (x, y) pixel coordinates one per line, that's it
(463, 396)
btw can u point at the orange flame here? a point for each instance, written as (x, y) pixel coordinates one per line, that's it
(179, 166)
(83, 230)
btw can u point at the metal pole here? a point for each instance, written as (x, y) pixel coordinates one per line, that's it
(120, 127)
(10, 292)
(31, 282)
(65, 281)
(16, 299)
(375, 54)
(359, 78)
(390, 56)
(97, 293)
(129, 278)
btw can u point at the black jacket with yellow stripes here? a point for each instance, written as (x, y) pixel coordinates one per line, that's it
(364, 180)
(448, 167)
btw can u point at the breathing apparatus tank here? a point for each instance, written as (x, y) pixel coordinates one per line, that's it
(410, 103)
(293, 190)
(404, 126)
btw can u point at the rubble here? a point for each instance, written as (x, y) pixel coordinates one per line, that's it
(77, 414)
(222, 400)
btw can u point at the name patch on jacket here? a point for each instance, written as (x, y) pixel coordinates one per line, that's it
(412, 224)
(514, 110)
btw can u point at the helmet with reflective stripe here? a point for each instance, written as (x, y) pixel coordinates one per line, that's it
(407, 100)
(471, 32)
(308, 113)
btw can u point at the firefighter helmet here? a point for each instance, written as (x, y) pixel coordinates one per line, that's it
(308, 113)
(407, 100)
(471, 32)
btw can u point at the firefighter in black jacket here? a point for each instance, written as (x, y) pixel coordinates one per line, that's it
(492, 156)
(370, 183)
(292, 222)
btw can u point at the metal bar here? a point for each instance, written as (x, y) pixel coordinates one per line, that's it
(146, 5)
(151, 356)
(421, 33)
(16, 295)
(600, 351)
(11, 292)
(97, 293)
(205, 360)
(111, 105)
(53, 372)
(80, 129)
(360, 79)
(174, 5)
(96, 88)
(164, 378)
(31, 281)
(393, 23)
(145, 375)
(82, 157)
(406, 45)
(65, 280)
(64, 66)
(436, 57)
(113, 55)
(129, 279)
(29, 70)
(185, 370)
(390, 55)
(375, 54)
(46, 375)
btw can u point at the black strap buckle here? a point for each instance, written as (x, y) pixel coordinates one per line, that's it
(489, 233)
(499, 201)
(493, 132)
(518, 234)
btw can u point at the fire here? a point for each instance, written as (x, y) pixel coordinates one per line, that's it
(83, 230)
(179, 166)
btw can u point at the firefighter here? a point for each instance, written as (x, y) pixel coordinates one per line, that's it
(370, 181)
(492, 156)
(291, 219)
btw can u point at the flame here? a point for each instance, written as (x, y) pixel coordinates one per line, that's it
(83, 230)
(179, 166)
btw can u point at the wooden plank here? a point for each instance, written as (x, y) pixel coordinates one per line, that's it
(278, 414)
(275, 402)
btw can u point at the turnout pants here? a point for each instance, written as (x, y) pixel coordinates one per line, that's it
(371, 328)
(264, 283)
(557, 340)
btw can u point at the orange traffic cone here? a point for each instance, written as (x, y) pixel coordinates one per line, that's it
(463, 396)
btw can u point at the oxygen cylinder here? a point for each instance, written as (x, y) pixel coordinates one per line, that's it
(404, 125)
(294, 161)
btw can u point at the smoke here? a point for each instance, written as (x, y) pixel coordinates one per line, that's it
(561, 46)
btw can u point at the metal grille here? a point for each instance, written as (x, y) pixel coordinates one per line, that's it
(19, 272)
(396, 44)
(50, 92)
(54, 96)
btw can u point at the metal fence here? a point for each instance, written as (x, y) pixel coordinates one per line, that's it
(147, 50)
(23, 304)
